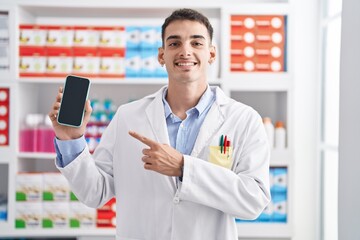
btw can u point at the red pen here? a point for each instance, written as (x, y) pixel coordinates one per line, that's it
(225, 144)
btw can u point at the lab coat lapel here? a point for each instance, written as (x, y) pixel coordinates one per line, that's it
(156, 116)
(212, 122)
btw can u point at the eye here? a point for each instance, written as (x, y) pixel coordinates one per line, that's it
(198, 44)
(173, 44)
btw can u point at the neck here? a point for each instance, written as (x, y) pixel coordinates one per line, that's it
(181, 97)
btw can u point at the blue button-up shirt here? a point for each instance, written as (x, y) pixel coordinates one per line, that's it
(182, 133)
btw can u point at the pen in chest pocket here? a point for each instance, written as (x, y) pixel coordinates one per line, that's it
(224, 144)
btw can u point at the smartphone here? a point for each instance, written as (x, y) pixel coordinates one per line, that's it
(75, 93)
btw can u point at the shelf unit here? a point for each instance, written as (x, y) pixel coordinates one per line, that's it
(273, 90)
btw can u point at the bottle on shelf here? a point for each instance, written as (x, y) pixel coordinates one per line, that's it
(45, 137)
(29, 132)
(269, 128)
(280, 135)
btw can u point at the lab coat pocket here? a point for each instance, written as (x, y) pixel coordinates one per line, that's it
(221, 159)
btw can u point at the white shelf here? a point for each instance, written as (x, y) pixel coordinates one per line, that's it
(4, 227)
(264, 230)
(7, 155)
(107, 81)
(280, 158)
(258, 82)
(57, 232)
(36, 155)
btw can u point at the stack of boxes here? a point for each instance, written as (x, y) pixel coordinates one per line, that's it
(276, 211)
(4, 116)
(106, 215)
(258, 43)
(101, 51)
(142, 45)
(57, 51)
(4, 41)
(44, 200)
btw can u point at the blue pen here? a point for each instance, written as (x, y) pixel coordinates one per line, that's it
(221, 143)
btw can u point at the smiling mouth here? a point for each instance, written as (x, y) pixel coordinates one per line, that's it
(186, 64)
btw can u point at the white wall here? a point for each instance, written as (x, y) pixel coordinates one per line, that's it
(306, 72)
(349, 145)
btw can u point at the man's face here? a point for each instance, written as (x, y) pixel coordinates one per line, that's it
(187, 51)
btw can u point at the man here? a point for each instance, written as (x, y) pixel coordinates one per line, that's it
(183, 162)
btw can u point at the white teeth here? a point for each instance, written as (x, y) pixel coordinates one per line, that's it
(185, 64)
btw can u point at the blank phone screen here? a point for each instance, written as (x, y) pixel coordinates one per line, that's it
(73, 101)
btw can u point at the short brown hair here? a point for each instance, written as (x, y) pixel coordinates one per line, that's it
(187, 14)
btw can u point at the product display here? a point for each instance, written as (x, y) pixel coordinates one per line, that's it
(91, 51)
(36, 134)
(119, 46)
(276, 211)
(258, 43)
(44, 200)
(4, 116)
(4, 42)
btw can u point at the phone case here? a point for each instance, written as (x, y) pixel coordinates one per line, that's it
(87, 94)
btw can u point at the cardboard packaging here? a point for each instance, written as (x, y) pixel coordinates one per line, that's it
(55, 215)
(112, 37)
(59, 62)
(60, 36)
(55, 187)
(32, 62)
(29, 187)
(86, 62)
(32, 35)
(28, 215)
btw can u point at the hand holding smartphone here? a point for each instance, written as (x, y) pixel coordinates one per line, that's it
(75, 94)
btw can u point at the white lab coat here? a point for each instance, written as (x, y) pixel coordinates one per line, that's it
(150, 205)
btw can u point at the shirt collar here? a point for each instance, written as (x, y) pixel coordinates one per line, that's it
(203, 103)
(167, 108)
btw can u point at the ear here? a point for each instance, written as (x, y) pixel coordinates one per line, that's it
(212, 54)
(161, 56)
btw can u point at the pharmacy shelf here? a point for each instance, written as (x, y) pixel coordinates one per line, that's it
(125, 81)
(36, 155)
(7, 155)
(35, 94)
(75, 232)
(258, 82)
(264, 230)
(280, 158)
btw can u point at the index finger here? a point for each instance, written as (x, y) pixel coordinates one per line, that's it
(143, 139)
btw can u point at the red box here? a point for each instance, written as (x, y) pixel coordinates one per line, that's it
(4, 116)
(257, 43)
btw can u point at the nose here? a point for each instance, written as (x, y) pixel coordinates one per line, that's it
(185, 50)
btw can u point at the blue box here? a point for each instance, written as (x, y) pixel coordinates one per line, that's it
(149, 63)
(279, 180)
(279, 208)
(148, 38)
(132, 37)
(132, 63)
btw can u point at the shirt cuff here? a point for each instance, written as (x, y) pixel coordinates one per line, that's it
(68, 150)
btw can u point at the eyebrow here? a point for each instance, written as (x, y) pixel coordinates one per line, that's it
(178, 37)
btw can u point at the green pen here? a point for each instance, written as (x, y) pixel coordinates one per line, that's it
(221, 143)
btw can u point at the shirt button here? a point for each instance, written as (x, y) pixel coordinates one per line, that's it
(176, 200)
